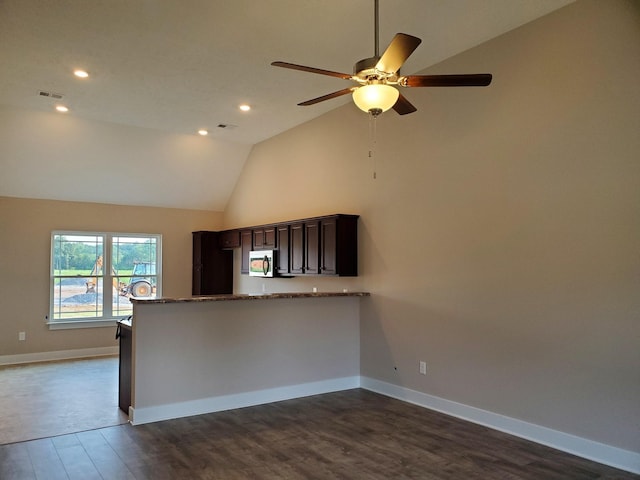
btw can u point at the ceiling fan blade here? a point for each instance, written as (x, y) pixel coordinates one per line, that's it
(329, 96)
(320, 71)
(403, 106)
(470, 80)
(397, 52)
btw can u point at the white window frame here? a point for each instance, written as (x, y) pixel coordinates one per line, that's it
(107, 319)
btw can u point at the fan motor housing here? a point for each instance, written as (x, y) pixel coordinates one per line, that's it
(366, 67)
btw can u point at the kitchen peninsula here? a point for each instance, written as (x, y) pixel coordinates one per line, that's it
(203, 354)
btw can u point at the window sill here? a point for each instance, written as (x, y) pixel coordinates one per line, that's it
(62, 325)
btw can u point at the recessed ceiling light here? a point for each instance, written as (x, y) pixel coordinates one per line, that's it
(203, 132)
(62, 108)
(80, 73)
(244, 107)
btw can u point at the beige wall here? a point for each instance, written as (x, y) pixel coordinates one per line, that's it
(25, 245)
(500, 239)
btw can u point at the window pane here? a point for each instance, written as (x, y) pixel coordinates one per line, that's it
(122, 306)
(77, 269)
(134, 260)
(84, 264)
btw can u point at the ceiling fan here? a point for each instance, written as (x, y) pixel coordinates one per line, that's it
(376, 76)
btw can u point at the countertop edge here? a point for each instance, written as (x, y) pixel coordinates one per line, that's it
(250, 296)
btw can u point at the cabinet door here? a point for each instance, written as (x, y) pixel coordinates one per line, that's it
(196, 278)
(282, 257)
(258, 239)
(212, 266)
(269, 237)
(296, 248)
(328, 257)
(346, 246)
(312, 250)
(246, 238)
(229, 239)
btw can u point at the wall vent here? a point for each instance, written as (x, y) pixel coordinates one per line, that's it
(44, 93)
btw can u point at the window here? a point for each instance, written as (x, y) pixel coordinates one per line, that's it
(83, 263)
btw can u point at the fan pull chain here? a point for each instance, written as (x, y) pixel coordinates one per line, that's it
(372, 141)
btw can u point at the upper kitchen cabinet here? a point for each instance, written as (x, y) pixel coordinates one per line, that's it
(312, 247)
(283, 266)
(296, 249)
(246, 245)
(229, 239)
(339, 245)
(212, 266)
(324, 246)
(264, 238)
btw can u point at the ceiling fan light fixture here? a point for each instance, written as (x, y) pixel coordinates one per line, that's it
(375, 98)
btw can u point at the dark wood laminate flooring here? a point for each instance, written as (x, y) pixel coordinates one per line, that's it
(353, 434)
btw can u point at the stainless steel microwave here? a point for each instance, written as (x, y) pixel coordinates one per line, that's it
(261, 263)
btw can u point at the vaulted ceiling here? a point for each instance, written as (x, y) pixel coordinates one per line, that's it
(179, 66)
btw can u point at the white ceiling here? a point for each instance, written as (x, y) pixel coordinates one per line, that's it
(177, 66)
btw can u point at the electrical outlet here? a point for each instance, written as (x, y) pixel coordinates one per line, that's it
(22, 336)
(423, 368)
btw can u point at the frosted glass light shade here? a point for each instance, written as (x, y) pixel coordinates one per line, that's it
(375, 97)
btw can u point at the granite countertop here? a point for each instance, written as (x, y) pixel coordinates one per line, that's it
(125, 322)
(249, 296)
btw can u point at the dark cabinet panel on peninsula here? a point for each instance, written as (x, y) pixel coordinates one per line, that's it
(212, 266)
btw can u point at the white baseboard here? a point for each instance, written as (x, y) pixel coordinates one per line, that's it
(57, 355)
(138, 416)
(598, 452)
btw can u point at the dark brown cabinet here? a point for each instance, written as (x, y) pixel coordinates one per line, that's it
(229, 239)
(125, 365)
(296, 249)
(264, 238)
(258, 239)
(212, 266)
(246, 245)
(311, 248)
(314, 246)
(339, 245)
(328, 242)
(270, 237)
(282, 257)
